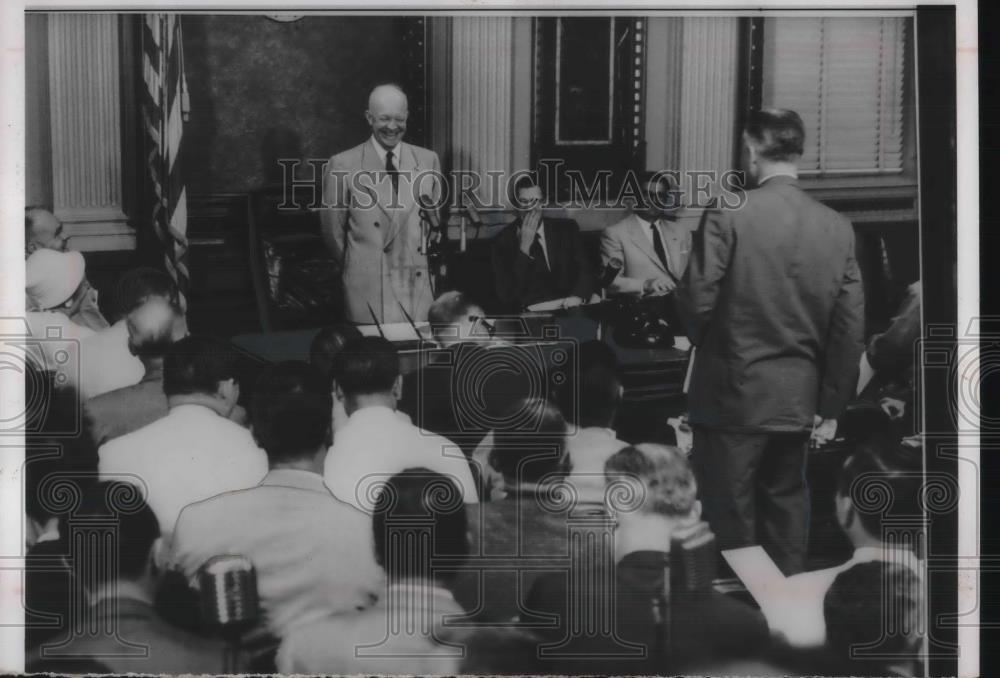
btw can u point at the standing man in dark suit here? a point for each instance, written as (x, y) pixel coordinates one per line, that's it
(538, 259)
(372, 220)
(772, 299)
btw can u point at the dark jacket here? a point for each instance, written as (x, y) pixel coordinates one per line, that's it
(521, 280)
(772, 299)
(702, 625)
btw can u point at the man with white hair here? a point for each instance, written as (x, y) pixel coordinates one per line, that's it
(372, 216)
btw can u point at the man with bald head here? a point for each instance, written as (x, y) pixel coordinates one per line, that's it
(153, 327)
(372, 216)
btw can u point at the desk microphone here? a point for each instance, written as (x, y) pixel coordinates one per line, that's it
(429, 212)
(229, 600)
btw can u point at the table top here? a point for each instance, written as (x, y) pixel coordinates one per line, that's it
(294, 344)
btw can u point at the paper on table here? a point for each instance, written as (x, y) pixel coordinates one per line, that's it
(780, 602)
(865, 373)
(551, 305)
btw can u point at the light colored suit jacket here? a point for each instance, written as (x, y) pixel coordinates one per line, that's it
(313, 554)
(374, 239)
(627, 242)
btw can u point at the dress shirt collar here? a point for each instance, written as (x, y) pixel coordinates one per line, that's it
(421, 587)
(299, 479)
(194, 409)
(381, 150)
(609, 432)
(790, 175)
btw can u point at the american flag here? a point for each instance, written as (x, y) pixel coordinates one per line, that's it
(165, 108)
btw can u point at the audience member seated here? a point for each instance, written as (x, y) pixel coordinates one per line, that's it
(591, 402)
(651, 245)
(195, 452)
(122, 630)
(538, 259)
(879, 466)
(378, 442)
(433, 395)
(106, 361)
(153, 327)
(312, 553)
(420, 532)
(53, 281)
(324, 348)
(529, 521)
(42, 230)
(702, 623)
(872, 614)
(500, 651)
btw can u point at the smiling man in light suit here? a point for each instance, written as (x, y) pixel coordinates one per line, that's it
(372, 216)
(651, 245)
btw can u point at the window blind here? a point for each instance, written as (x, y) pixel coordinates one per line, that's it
(844, 76)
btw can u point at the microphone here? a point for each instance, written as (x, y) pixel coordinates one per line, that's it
(229, 601)
(229, 592)
(611, 271)
(472, 213)
(429, 211)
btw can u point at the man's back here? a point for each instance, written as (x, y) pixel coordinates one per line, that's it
(773, 302)
(376, 443)
(313, 554)
(191, 454)
(106, 363)
(124, 410)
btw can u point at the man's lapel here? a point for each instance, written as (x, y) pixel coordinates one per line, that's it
(409, 169)
(377, 185)
(636, 231)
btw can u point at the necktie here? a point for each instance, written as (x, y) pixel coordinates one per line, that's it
(661, 252)
(536, 251)
(390, 168)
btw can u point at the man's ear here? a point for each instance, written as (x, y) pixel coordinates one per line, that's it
(338, 393)
(369, 117)
(397, 387)
(696, 510)
(229, 390)
(844, 510)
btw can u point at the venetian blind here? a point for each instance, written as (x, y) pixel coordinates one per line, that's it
(844, 76)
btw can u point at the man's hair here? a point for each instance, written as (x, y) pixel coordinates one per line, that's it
(135, 530)
(777, 133)
(665, 475)
(159, 341)
(327, 344)
(859, 606)
(535, 446)
(880, 468)
(366, 365)
(448, 309)
(196, 364)
(419, 502)
(291, 410)
(137, 285)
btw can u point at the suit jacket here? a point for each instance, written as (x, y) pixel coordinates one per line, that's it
(772, 299)
(144, 643)
(124, 410)
(313, 554)
(704, 625)
(628, 242)
(521, 280)
(523, 535)
(374, 239)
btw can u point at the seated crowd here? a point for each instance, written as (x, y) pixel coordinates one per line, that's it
(390, 530)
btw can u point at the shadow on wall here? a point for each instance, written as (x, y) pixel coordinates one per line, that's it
(262, 89)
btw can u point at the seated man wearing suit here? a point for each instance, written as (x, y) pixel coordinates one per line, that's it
(538, 259)
(652, 247)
